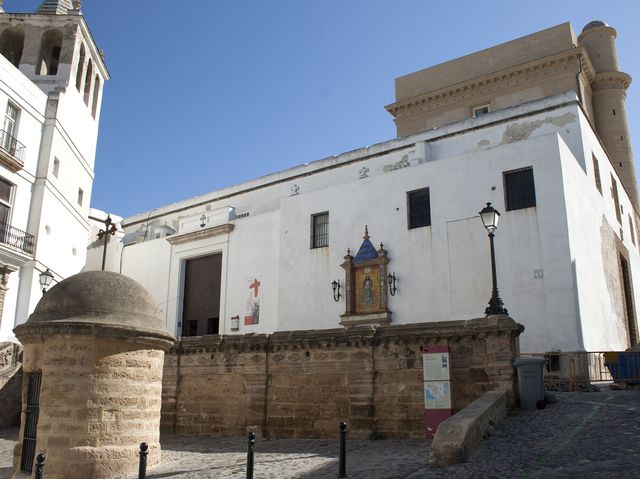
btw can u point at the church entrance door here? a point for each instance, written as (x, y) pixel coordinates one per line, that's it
(201, 310)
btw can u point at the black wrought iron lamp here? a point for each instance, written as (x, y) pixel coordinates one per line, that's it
(45, 280)
(336, 290)
(391, 281)
(490, 217)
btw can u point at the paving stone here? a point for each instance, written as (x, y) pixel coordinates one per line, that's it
(583, 435)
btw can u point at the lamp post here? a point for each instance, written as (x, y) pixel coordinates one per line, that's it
(490, 216)
(45, 280)
(109, 229)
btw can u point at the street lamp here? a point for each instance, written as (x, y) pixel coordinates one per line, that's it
(490, 216)
(45, 280)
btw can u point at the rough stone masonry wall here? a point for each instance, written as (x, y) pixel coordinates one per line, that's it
(302, 383)
(10, 384)
(99, 400)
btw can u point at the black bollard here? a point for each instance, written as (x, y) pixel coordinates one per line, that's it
(40, 466)
(250, 445)
(144, 452)
(342, 467)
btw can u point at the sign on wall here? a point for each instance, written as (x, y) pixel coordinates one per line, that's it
(252, 315)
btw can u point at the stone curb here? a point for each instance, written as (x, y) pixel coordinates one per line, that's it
(458, 436)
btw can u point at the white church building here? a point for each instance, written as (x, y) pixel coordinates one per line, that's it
(51, 84)
(536, 126)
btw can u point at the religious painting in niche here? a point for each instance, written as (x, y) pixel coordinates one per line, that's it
(365, 289)
(252, 315)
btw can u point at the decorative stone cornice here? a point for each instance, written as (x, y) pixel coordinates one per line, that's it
(201, 234)
(611, 81)
(364, 336)
(39, 332)
(10, 161)
(405, 108)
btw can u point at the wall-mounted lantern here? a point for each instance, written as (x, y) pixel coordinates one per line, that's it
(336, 290)
(391, 280)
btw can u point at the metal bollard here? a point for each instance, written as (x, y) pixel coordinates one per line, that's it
(144, 452)
(251, 443)
(40, 466)
(342, 467)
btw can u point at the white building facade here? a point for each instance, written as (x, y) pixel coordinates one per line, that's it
(262, 256)
(51, 83)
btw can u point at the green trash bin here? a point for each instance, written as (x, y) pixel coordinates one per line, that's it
(530, 382)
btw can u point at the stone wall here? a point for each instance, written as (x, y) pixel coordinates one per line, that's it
(302, 383)
(99, 400)
(10, 384)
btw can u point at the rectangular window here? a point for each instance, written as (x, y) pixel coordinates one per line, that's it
(80, 196)
(320, 230)
(10, 128)
(616, 201)
(56, 167)
(596, 173)
(480, 111)
(519, 189)
(631, 231)
(418, 208)
(6, 190)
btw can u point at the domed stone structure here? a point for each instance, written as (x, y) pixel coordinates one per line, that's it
(594, 24)
(93, 358)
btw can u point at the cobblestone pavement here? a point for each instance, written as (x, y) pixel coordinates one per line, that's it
(583, 435)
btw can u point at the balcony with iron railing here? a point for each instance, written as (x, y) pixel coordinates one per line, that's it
(11, 151)
(15, 238)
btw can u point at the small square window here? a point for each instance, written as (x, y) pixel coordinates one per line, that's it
(480, 111)
(320, 230)
(519, 189)
(418, 208)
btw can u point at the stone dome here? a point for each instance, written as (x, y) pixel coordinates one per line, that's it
(99, 297)
(594, 24)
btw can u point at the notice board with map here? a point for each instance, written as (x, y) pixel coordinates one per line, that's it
(437, 386)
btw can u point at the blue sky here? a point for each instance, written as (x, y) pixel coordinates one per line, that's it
(209, 93)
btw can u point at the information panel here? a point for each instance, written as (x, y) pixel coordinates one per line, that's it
(437, 386)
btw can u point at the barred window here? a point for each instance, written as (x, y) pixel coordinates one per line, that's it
(616, 200)
(320, 230)
(418, 208)
(596, 173)
(519, 189)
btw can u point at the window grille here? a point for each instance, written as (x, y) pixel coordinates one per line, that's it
(320, 230)
(519, 189)
(480, 111)
(596, 173)
(419, 208)
(31, 422)
(616, 200)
